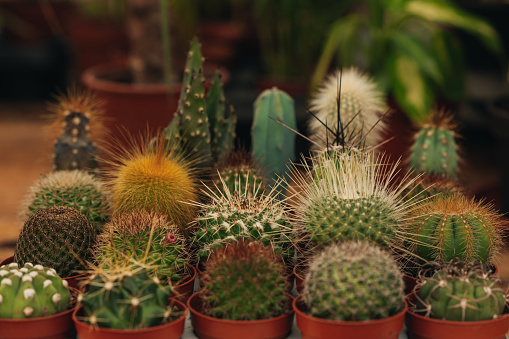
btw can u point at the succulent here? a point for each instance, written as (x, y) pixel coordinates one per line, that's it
(427, 186)
(75, 188)
(459, 290)
(353, 281)
(147, 238)
(58, 237)
(244, 280)
(31, 291)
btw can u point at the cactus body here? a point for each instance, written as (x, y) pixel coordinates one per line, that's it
(58, 237)
(432, 185)
(31, 291)
(353, 281)
(244, 281)
(273, 144)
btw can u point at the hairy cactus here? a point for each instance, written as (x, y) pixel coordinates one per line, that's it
(147, 238)
(31, 291)
(353, 281)
(244, 281)
(453, 226)
(58, 237)
(460, 291)
(272, 143)
(77, 189)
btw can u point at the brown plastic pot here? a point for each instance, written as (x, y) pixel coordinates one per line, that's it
(184, 290)
(207, 327)
(317, 328)
(299, 273)
(170, 330)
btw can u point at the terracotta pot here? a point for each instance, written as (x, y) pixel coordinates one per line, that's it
(184, 290)
(173, 329)
(317, 328)
(207, 327)
(420, 327)
(299, 271)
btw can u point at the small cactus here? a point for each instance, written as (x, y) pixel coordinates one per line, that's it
(353, 281)
(244, 280)
(31, 291)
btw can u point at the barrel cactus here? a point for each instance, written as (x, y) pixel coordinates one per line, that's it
(459, 291)
(58, 237)
(244, 280)
(31, 291)
(353, 281)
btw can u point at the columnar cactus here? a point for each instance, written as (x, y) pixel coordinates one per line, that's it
(31, 291)
(244, 280)
(353, 281)
(460, 291)
(58, 237)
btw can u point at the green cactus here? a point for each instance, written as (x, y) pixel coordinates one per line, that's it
(459, 291)
(427, 186)
(244, 280)
(58, 237)
(31, 291)
(77, 189)
(353, 281)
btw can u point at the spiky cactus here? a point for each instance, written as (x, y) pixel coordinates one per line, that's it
(147, 238)
(244, 280)
(445, 227)
(460, 291)
(58, 237)
(31, 291)
(77, 189)
(353, 281)
(272, 143)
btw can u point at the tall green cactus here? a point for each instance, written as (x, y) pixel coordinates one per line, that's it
(273, 143)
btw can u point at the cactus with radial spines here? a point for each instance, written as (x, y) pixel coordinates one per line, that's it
(353, 281)
(459, 291)
(244, 280)
(58, 237)
(445, 227)
(147, 238)
(77, 189)
(272, 143)
(31, 291)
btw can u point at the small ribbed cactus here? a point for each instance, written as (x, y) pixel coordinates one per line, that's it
(459, 291)
(77, 189)
(244, 280)
(58, 237)
(445, 227)
(31, 291)
(353, 281)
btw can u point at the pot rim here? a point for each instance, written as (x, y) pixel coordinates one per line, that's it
(191, 277)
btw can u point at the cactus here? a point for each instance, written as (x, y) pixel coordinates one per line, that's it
(353, 281)
(77, 189)
(273, 144)
(125, 298)
(147, 238)
(428, 186)
(244, 280)
(454, 226)
(459, 291)
(31, 291)
(58, 237)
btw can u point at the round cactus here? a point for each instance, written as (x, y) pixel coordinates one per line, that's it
(58, 237)
(31, 291)
(459, 291)
(244, 280)
(77, 189)
(353, 281)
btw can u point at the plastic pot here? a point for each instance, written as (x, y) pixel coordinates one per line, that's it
(184, 290)
(299, 272)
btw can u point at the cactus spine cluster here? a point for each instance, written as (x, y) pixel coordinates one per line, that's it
(31, 291)
(460, 291)
(244, 280)
(353, 281)
(58, 237)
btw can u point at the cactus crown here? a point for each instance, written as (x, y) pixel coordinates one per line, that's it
(244, 280)
(432, 185)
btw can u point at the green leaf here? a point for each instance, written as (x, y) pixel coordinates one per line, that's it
(451, 62)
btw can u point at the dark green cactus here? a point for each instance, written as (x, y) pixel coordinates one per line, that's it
(244, 280)
(58, 237)
(31, 291)
(459, 291)
(353, 281)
